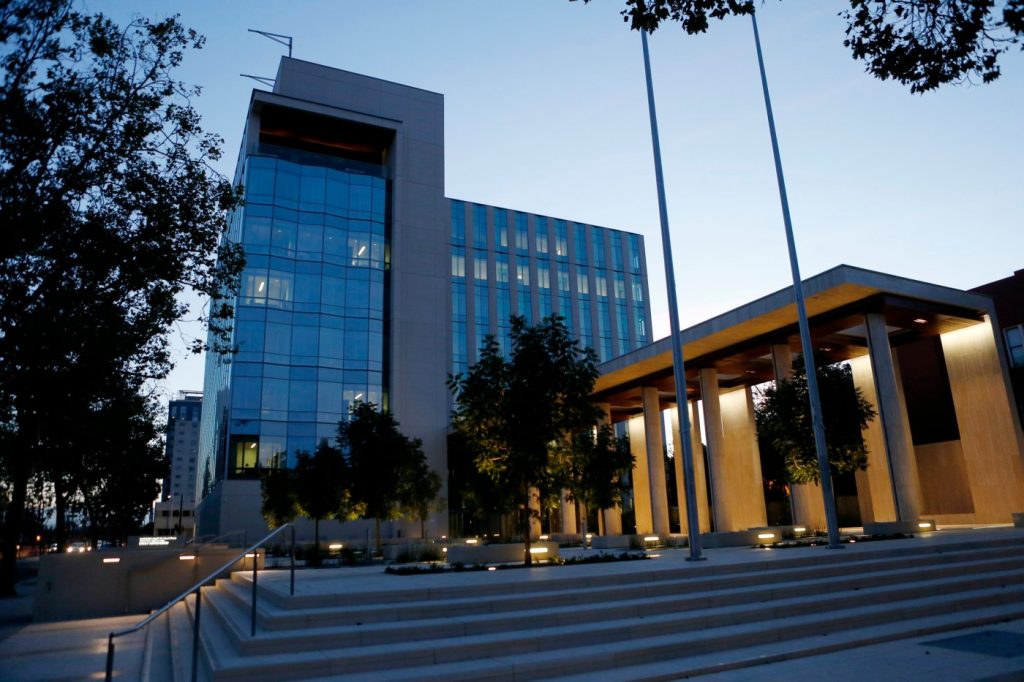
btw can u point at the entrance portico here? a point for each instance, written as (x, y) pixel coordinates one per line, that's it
(946, 443)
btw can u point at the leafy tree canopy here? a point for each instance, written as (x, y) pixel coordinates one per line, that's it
(515, 412)
(389, 471)
(920, 43)
(785, 432)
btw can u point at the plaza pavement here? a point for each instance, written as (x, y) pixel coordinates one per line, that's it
(76, 650)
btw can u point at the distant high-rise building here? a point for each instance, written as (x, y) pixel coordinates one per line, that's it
(178, 498)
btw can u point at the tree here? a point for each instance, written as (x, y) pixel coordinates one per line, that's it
(920, 43)
(321, 483)
(513, 412)
(109, 211)
(277, 491)
(785, 433)
(384, 464)
(121, 464)
(593, 468)
(421, 489)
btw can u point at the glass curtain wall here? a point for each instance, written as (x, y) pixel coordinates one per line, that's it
(311, 315)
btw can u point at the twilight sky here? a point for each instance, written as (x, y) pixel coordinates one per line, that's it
(545, 112)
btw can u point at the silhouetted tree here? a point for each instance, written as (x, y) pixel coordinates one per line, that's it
(277, 493)
(109, 211)
(593, 467)
(384, 465)
(920, 43)
(322, 489)
(785, 433)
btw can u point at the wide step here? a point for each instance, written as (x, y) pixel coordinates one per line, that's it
(637, 625)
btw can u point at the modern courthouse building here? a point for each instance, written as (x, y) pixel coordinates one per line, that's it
(364, 282)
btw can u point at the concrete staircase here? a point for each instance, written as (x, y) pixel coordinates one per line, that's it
(603, 622)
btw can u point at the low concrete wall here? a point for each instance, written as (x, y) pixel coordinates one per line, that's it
(505, 553)
(612, 542)
(116, 582)
(899, 527)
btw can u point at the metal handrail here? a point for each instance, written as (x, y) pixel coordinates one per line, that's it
(197, 589)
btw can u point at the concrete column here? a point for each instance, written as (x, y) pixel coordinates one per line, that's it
(567, 507)
(641, 485)
(716, 449)
(892, 412)
(989, 431)
(742, 459)
(874, 485)
(609, 520)
(655, 459)
(698, 469)
(806, 498)
(535, 513)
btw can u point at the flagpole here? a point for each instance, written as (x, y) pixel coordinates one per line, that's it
(678, 369)
(805, 333)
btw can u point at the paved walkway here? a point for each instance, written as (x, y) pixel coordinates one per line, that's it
(76, 650)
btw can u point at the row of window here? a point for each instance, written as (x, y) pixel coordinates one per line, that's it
(546, 241)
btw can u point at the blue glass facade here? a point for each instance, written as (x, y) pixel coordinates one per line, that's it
(311, 319)
(531, 273)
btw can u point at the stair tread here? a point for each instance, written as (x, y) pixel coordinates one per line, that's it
(276, 585)
(583, 594)
(546, 618)
(428, 648)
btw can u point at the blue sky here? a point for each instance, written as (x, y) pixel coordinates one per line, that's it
(545, 112)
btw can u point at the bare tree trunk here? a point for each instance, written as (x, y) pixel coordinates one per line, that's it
(524, 523)
(13, 520)
(376, 521)
(60, 530)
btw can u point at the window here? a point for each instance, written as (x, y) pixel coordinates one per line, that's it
(501, 229)
(458, 262)
(480, 266)
(1015, 344)
(582, 285)
(561, 239)
(523, 274)
(479, 226)
(458, 222)
(522, 235)
(541, 228)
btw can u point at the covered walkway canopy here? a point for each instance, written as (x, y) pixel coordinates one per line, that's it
(946, 444)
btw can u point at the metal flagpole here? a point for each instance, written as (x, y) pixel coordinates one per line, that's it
(801, 308)
(678, 369)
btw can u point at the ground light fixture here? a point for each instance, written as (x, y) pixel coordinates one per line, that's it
(335, 546)
(112, 560)
(186, 557)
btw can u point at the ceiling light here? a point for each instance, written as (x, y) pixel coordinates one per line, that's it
(826, 349)
(261, 286)
(920, 320)
(362, 250)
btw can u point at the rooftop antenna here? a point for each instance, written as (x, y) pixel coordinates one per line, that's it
(277, 38)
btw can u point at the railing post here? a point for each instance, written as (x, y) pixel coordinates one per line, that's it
(255, 567)
(195, 634)
(293, 562)
(110, 657)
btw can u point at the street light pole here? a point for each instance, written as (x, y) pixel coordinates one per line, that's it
(678, 369)
(818, 424)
